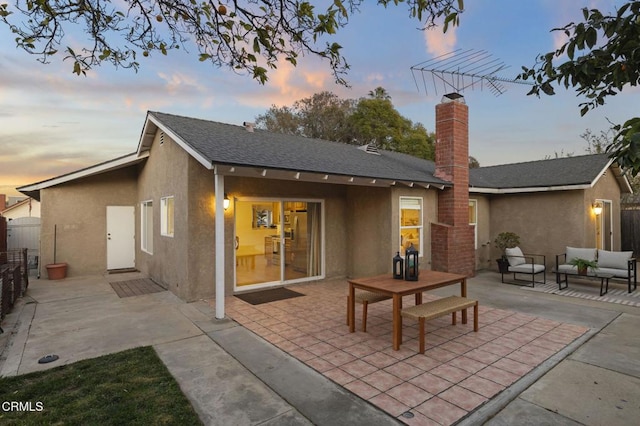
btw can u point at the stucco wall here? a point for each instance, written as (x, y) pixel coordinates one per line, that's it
(79, 209)
(166, 174)
(548, 222)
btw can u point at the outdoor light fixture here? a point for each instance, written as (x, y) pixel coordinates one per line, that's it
(597, 208)
(398, 267)
(411, 264)
(225, 202)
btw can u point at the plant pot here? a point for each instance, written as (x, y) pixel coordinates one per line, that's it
(582, 271)
(56, 271)
(503, 265)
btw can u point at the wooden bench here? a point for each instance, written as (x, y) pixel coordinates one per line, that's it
(438, 308)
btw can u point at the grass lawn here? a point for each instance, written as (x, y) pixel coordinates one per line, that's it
(130, 387)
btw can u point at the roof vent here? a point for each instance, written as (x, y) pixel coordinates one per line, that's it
(161, 138)
(249, 126)
(370, 148)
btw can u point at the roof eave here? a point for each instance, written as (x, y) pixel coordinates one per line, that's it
(481, 190)
(33, 190)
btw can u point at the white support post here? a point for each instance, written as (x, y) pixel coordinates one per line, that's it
(219, 244)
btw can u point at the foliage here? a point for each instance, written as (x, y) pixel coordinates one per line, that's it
(366, 120)
(603, 58)
(583, 264)
(506, 240)
(243, 35)
(596, 144)
(473, 163)
(130, 387)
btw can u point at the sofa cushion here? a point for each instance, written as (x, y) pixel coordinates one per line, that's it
(527, 268)
(515, 256)
(617, 273)
(614, 259)
(581, 253)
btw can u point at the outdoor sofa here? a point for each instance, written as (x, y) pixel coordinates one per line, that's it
(620, 264)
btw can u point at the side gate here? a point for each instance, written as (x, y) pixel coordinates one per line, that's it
(23, 233)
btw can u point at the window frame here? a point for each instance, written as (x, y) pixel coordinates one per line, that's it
(167, 216)
(473, 203)
(419, 227)
(146, 226)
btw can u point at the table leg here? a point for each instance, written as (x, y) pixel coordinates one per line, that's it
(397, 322)
(463, 293)
(351, 308)
(419, 298)
(602, 284)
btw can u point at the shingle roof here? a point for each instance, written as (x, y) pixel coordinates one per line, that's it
(558, 172)
(229, 144)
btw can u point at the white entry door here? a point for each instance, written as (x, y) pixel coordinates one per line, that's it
(120, 237)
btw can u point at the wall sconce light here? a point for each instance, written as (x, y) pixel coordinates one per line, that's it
(597, 208)
(226, 202)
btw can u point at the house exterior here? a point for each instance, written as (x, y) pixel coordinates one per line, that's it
(208, 209)
(299, 209)
(549, 204)
(27, 207)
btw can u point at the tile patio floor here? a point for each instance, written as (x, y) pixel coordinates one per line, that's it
(459, 372)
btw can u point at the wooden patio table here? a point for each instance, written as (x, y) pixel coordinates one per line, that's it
(385, 284)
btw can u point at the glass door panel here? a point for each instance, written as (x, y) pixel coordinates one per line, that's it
(276, 242)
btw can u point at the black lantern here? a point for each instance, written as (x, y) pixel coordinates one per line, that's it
(398, 267)
(411, 264)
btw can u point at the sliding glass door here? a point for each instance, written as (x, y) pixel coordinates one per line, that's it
(277, 241)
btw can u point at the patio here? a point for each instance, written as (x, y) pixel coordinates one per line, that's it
(459, 372)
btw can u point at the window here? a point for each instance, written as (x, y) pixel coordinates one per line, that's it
(473, 220)
(146, 226)
(410, 223)
(166, 216)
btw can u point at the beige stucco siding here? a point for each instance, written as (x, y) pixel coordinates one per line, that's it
(166, 174)
(79, 209)
(548, 222)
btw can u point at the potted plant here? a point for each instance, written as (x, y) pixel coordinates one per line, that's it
(583, 265)
(503, 241)
(56, 270)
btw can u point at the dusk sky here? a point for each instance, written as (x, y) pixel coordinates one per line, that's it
(53, 122)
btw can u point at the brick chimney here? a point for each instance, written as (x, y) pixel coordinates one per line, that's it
(3, 202)
(452, 238)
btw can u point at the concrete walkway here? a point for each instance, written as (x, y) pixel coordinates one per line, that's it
(232, 376)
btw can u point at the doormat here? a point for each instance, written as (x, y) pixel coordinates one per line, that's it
(268, 296)
(617, 295)
(135, 287)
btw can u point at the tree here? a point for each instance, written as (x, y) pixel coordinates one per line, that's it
(323, 115)
(367, 120)
(596, 144)
(243, 35)
(603, 58)
(473, 163)
(379, 93)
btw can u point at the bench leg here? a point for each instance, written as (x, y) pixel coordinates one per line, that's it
(422, 335)
(454, 318)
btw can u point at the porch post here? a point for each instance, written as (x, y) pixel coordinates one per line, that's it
(219, 238)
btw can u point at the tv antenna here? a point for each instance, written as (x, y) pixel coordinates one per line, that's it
(463, 69)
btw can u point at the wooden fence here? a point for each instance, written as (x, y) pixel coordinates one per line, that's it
(630, 228)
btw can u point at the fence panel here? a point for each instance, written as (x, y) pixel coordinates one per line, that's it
(630, 229)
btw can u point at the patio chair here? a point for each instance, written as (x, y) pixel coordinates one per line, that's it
(365, 297)
(525, 263)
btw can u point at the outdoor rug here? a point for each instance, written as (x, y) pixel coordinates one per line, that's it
(617, 292)
(136, 287)
(268, 296)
